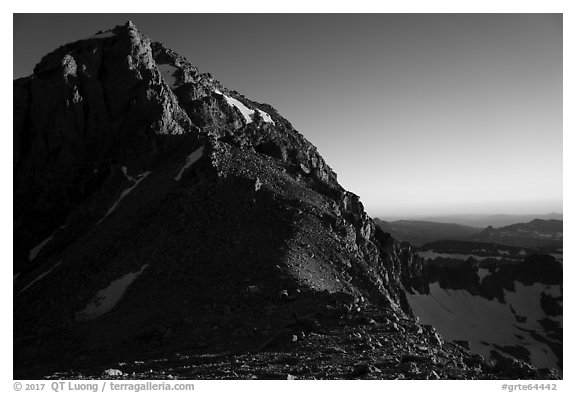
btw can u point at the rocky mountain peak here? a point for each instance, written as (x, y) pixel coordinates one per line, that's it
(129, 24)
(98, 111)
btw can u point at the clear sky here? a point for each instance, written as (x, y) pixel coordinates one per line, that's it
(419, 114)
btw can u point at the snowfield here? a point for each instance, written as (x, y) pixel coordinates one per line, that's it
(458, 315)
(107, 298)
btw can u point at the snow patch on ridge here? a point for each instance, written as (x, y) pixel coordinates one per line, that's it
(40, 277)
(124, 193)
(266, 117)
(246, 112)
(190, 160)
(36, 250)
(107, 298)
(125, 171)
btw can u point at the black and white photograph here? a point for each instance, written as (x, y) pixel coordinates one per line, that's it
(287, 196)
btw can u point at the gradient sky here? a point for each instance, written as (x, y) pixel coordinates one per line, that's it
(419, 114)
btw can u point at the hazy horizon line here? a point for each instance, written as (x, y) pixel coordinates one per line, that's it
(432, 215)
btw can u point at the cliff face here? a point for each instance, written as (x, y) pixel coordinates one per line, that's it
(90, 106)
(158, 211)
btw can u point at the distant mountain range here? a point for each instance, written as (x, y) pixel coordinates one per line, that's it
(481, 220)
(420, 232)
(535, 234)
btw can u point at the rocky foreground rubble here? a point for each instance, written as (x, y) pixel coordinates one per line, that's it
(365, 344)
